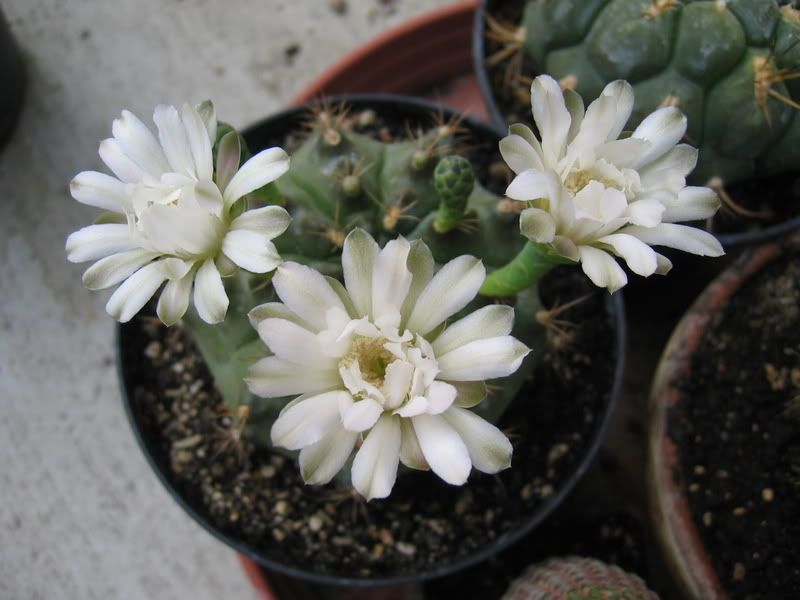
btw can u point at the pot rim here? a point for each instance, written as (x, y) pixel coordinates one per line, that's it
(729, 241)
(670, 514)
(614, 309)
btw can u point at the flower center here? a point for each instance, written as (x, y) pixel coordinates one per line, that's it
(577, 180)
(372, 358)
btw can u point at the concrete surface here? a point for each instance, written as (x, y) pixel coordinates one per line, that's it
(81, 515)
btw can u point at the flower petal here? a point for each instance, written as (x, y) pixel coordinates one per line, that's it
(123, 167)
(98, 241)
(442, 448)
(139, 144)
(208, 197)
(519, 154)
(469, 393)
(397, 383)
(307, 422)
(172, 135)
(692, 204)
(537, 225)
(450, 290)
(208, 113)
(488, 447)
(290, 341)
(135, 291)
(273, 377)
(375, 465)
(199, 142)
(680, 161)
(321, 461)
(418, 405)
(362, 415)
(391, 279)
(229, 152)
(551, 116)
(420, 263)
(528, 185)
(622, 93)
(640, 257)
(181, 230)
(440, 397)
(100, 190)
(174, 300)
(250, 250)
(490, 321)
(210, 299)
(574, 104)
(306, 293)
(113, 269)
(269, 221)
(275, 310)
(680, 237)
(410, 452)
(359, 253)
(601, 268)
(483, 359)
(261, 169)
(646, 212)
(663, 129)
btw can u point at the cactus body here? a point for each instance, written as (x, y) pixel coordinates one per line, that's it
(387, 185)
(577, 578)
(727, 64)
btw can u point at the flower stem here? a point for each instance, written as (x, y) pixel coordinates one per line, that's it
(532, 263)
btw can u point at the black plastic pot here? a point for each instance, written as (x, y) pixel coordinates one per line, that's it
(12, 76)
(732, 242)
(258, 136)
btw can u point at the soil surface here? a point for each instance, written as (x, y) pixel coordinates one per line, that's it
(257, 496)
(739, 434)
(755, 204)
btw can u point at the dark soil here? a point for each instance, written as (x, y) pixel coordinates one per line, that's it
(740, 437)
(765, 201)
(257, 496)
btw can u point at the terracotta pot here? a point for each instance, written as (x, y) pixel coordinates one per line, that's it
(671, 517)
(259, 136)
(425, 56)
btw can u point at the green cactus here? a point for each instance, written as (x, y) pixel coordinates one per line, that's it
(730, 65)
(577, 578)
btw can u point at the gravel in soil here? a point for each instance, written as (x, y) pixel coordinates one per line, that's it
(256, 495)
(739, 436)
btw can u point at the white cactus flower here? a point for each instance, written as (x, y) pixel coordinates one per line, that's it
(372, 366)
(593, 195)
(172, 217)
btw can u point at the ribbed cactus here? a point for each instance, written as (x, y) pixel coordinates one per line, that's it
(414, 185)
(576, 578)
(729, 65)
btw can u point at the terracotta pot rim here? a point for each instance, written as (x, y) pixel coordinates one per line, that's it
(669, 510)
(394, 43)
(614, 308)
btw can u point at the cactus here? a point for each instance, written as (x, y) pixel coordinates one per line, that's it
(577, 578)
(730, 65)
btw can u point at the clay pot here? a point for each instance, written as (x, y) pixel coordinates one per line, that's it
(677, 534)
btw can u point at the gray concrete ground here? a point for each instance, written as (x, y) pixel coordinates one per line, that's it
(81, 515)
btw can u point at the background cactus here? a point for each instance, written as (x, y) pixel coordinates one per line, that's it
(730, 65)
(577, 578)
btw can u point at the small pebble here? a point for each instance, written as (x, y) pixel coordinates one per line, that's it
(739, 572)
(406, 549)
(699, 470)
(708, 519)
(386, 537)
(739, 511)
(152, 350)
(315, 523)
(282, 507)
(278, 535)
(767, 495)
